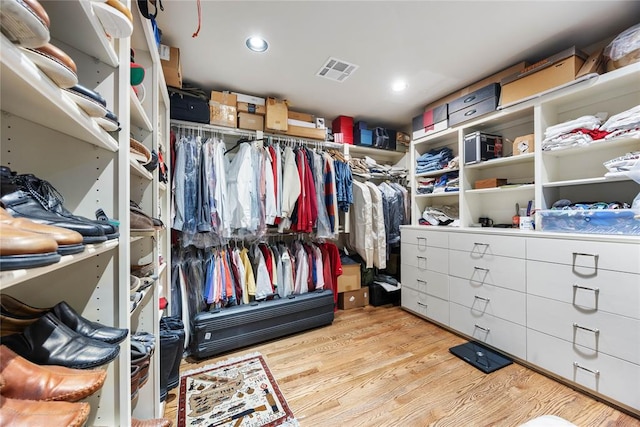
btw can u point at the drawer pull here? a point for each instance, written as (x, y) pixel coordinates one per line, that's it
(421, 281)
(593, 371)
(481, 298)
(586, 288)
(423, 265)
(486, 330)
(480, 244)
(422, 304)
(481, 269)
(422, 243)
(584, 328)
(595, 264)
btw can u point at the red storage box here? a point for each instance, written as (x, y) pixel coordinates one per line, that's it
(344, 125)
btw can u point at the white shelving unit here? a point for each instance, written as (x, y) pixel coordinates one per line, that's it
(45, 133)
(575, 173)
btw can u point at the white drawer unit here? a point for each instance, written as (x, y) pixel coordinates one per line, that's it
(434, 259)
(428, 282)
(484, 246)
(425, 305)
(610, 376)
(586, 257)
(490, 269)
(489, 300)
(493, 331)
(596, 332)
(423, 238)
(608, 291)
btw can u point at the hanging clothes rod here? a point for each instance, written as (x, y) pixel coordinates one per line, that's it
(203, 127)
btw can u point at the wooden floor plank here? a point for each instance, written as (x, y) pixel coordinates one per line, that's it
(382, 366)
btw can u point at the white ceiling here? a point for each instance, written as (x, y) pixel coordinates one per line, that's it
(437, 46)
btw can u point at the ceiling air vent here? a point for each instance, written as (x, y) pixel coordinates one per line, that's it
(336, 70)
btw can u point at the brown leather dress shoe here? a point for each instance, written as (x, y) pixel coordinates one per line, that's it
(156, 422)
(24, 249)
(29, 413)
(26, 380)
(69, 241)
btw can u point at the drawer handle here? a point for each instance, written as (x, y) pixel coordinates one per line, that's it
(481, 298)
(586, 288)
(469, 99)
(584, 328)
(593, 371)
(481, 269)
(470, 112)
(595, 263)
(421, 281)
(486, 330)
(422, 304)
(422, 242)
(480, 244)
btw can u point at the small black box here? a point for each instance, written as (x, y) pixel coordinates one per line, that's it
(479, 146)
(379, 296)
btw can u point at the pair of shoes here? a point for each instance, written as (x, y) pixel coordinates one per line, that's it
(115, 17)
(24, 249)
(69, 242)
(172, 336)
(54, 63)
(27, 196)
(155, 422)
(134, 300)
(33, 395)
(142, 220)
(25, 22)
(57, 336)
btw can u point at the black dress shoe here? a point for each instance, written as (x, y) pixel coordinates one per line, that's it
(43, 190)
(22, 203)
(48, 341)
(17, 315)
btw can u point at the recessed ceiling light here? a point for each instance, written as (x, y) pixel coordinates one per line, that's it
(257, 44)
(399, 86)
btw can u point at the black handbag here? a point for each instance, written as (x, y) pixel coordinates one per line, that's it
(189, 104)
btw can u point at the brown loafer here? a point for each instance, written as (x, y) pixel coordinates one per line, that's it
(25, 22)
(24, 413)
(29, 381)
(69, 241)
(24, 249)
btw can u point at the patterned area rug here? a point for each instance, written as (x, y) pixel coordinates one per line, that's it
(239, 392)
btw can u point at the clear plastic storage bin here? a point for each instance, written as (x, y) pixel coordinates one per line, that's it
(588, 221)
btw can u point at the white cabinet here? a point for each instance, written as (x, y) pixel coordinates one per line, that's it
(45, 133)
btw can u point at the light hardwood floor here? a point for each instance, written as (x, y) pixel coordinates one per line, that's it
(382, 366)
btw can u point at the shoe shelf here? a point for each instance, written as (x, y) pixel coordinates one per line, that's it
(138, 170)
(38, 99)
(93, 42)
(139, 117)
(15, 277)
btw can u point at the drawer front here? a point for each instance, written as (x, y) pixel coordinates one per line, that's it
(484, 245)
(424, 238)
(474, 111)
(428, 282)
(491, 270)
(501, 334)
(489, 300)
(434, 259)
(586, 256)
(425, 305)
(608, 291)
(597, 332)
(489, 91)
(611, 376)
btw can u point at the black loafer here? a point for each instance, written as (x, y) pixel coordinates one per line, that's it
(89, 329)
(48, 341)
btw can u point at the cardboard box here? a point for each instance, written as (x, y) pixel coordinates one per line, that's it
(249, 99)
(303, 117)
(524, 144)
(489, 183)
(250, 121)
(306, 132)
(494, 78)
(593, 64)
(353, 299)
(540, 79)
(246, 107)
(349, 280)
(171, 67)
(224, 98)
(277, 115)
(223, 115)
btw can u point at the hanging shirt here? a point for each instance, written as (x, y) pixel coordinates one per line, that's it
(378, 228)
(361, 217)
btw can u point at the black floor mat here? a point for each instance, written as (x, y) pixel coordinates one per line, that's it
(480, 357)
